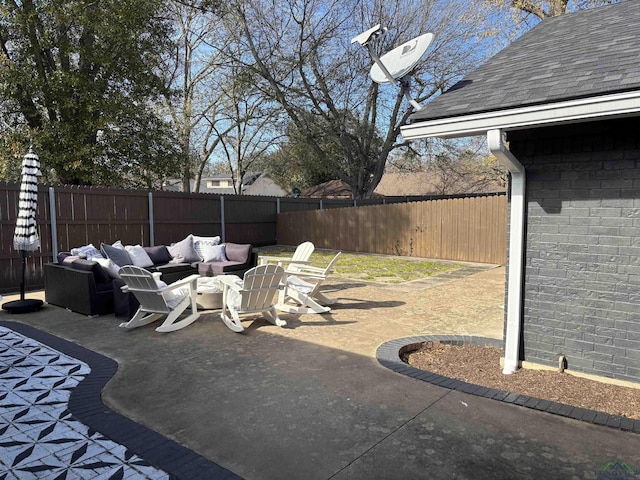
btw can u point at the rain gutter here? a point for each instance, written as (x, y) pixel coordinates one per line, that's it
(516, 248)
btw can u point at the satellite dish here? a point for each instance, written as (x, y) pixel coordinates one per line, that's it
(401, 60)
(394, 66)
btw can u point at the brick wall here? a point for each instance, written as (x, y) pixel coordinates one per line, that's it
(582, 267)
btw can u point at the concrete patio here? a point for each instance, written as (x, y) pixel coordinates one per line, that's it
(310, 401)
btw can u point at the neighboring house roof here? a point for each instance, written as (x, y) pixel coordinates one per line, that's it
(264, 185)
(398, 184)
(395, 184)
(252, 184)
(583, 64)
(330, 189)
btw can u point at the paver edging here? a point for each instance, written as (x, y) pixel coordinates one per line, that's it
(389, 355)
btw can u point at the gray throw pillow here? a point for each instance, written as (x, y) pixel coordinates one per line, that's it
(108, 266)
(119, 256)
(183, 251)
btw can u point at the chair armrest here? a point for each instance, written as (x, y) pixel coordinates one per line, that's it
(304, 276)
(280, 260)
(307, 270)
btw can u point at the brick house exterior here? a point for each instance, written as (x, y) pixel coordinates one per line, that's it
(561, 109)
(582, 256)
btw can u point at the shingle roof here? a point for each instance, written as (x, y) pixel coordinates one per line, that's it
(577, 55)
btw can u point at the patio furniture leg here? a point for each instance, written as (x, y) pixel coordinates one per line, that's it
(231, 319)
(172, 323)
(307, 305)
(141, 318)
(272, 316)
(324, 300)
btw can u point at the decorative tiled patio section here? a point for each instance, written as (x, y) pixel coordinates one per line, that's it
(53, 423)
(389, 353)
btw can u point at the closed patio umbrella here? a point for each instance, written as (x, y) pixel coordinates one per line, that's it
(25, 237)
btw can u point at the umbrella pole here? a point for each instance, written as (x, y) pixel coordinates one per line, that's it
(24, 268)
(22, 305)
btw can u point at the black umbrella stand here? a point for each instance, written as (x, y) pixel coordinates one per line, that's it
(24, 305)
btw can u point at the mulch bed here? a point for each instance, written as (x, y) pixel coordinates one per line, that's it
(480, 365)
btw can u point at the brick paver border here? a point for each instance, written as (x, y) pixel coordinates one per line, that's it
(388, 355)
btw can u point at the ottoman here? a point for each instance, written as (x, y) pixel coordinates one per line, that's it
(209, 293)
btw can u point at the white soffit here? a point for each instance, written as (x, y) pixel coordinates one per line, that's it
(585, 109)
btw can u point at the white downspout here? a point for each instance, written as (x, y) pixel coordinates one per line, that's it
(516, 248)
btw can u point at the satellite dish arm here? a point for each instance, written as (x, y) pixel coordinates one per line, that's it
(405, 86)
(376, 59)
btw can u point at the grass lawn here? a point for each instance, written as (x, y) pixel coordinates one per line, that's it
(370, 267)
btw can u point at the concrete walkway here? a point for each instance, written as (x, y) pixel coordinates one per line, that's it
(310, 401)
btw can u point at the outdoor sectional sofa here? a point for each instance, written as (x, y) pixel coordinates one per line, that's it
(93, 287)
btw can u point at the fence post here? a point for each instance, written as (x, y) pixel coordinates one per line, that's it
(54, 223)
(152, 233)
(278, 205)
(320, 204)
(222, 229)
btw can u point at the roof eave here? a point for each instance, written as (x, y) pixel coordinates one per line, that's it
(570, 111)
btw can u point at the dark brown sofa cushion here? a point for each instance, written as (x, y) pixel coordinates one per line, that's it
(174, 271)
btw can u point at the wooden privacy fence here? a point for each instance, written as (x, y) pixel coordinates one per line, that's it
(470, 228)
(70, 217)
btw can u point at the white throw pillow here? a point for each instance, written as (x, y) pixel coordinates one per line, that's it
(118, 244)
(212, 253)
(139, 256)
(199, 243)
(215, 240)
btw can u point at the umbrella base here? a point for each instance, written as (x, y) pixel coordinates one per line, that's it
(22, 306)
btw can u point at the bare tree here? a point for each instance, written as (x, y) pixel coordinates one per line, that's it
(193, 72)
(300, 49)
(251, 127)
(465, 167)
(542, 9)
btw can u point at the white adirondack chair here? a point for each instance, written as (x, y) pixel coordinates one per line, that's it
(299, 258)
(158, 299)
(254, 294)
(300, 293)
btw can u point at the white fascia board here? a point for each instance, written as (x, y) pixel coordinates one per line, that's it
(573, 111)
